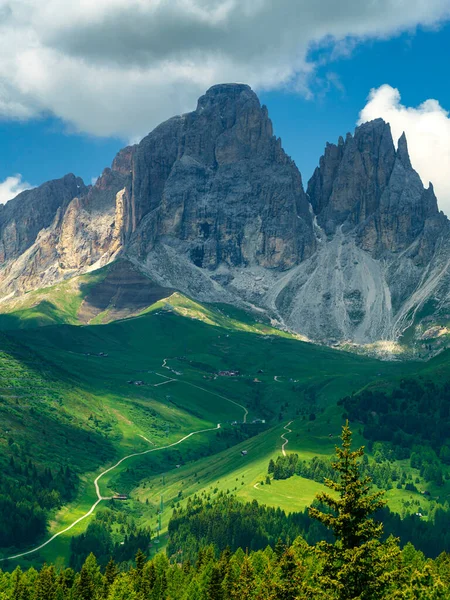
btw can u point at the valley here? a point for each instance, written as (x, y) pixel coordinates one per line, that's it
(166, 378)
(185, 343)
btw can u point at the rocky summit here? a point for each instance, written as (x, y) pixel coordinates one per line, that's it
(210, 204)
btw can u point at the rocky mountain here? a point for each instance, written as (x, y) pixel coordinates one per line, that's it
(210, 204)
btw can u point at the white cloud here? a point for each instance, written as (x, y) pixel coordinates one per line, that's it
(11, 186)
(427, 129)
(121, 66)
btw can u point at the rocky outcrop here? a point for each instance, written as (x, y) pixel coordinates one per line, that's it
(209, 204)
(60, 229)
(384, 235)
(216, 185)
(24, 217)
(365, 185)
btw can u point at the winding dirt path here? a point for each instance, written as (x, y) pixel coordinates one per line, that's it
(286, 441)
(283, 436)
(244, 420)
(100, 498)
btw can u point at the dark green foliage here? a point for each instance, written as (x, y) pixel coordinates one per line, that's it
(100, 536)
(227, 522)
(316, 469)
(357, 564)
(413, 412)
(291, 573)
(382, 473)
(26, 494)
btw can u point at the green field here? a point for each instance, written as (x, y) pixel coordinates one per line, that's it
(89, 395)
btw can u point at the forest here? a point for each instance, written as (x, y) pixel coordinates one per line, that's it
(100, 534)
(415, 413)
(26, 495)
(356, 562)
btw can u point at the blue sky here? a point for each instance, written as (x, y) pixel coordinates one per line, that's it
(308, 105)
(417, 64)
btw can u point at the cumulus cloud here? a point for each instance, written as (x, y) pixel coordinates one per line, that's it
(427, 129)
(11, 186)
(118, 67)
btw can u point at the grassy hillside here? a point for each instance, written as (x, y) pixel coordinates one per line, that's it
(86, 396)
(113, 292)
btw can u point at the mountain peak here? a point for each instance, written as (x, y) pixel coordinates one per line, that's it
(371, 188)
(402, 152)
(228, 88)
(226, 94)
(210, 204)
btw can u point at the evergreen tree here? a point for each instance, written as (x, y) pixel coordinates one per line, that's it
(121, 589)
(140, 561)
(357, 565)
(90, 579)
(244, 588)
(60, 595)
(214, 586)
(18, 592)
(46, 584)
(148, 579)
(288, 581)
(111, 573)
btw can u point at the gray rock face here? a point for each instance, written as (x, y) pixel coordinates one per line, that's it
(216, 185)
(365, 185)
(58, 230)
(209, 204)
(25, 216)
(369, 191)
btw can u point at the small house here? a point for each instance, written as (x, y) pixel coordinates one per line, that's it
(244, 452)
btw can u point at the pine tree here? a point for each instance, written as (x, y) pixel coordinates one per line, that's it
(148, 579)
(85, 588)
(357, 565)
(90, 579)
(214, 589)
(288, 580)
(111, 572)
(46, 584)
(244, 588)
(427, 585)
(140, 561)
(59, 593)
(121, 589)
(279, 548)
(18, 585)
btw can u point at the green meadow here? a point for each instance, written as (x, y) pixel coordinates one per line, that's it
(89, 395)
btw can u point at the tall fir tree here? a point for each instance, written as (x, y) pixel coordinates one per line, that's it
(357, 565)
(244, 588)
(46, 584)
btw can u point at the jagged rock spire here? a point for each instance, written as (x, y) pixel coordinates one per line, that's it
(402, 152)
(367, 186)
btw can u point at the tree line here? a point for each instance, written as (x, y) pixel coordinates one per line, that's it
(101, 535)
(27, 493)
(414, 413)
(357, 564)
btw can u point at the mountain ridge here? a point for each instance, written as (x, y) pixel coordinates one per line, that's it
(210, 204)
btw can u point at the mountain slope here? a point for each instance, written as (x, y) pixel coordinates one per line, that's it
(210, 205)
(65, 386)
